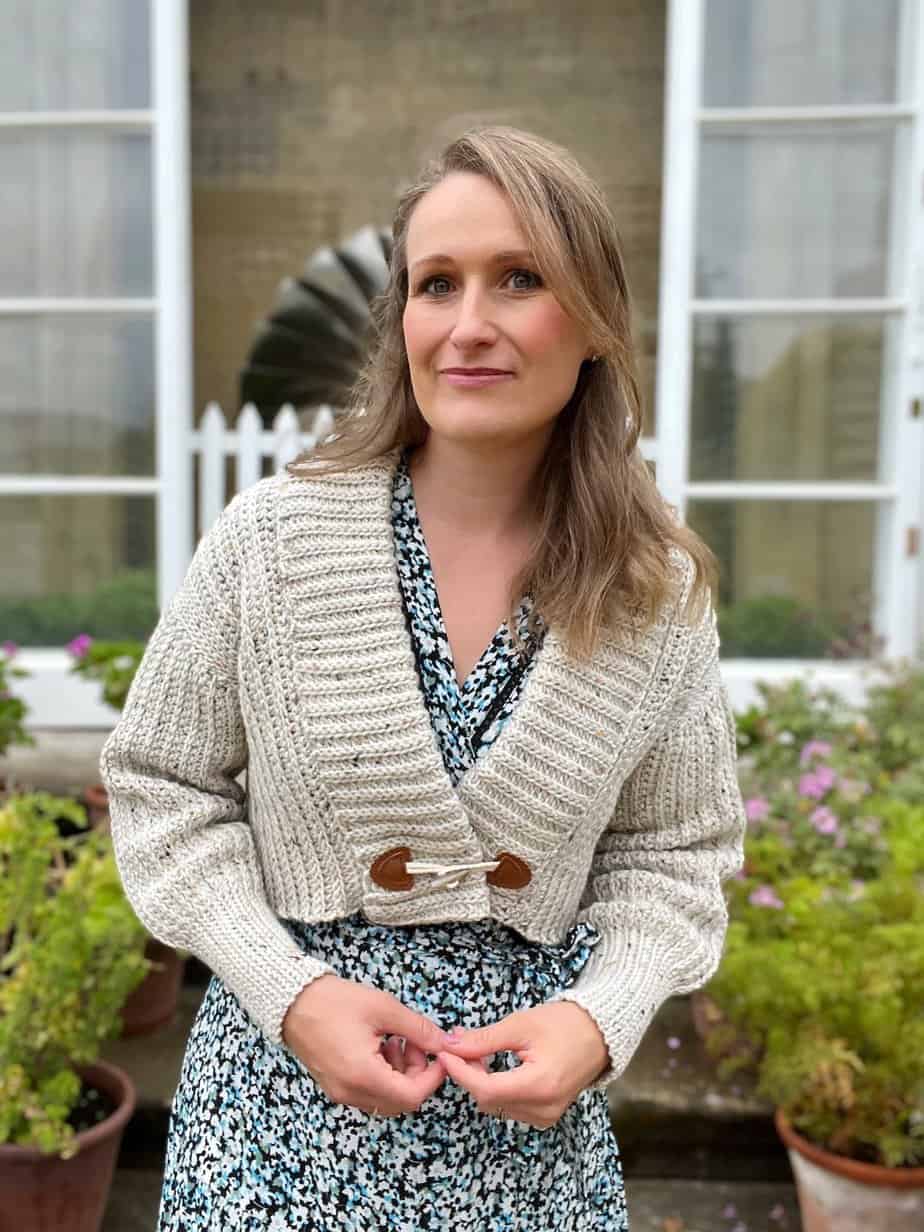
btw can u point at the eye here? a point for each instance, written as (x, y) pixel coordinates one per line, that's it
(429, 286)
(534, 280)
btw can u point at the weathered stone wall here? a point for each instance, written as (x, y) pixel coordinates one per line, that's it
(308, 116)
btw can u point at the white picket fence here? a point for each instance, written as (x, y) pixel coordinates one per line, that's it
(248, 443)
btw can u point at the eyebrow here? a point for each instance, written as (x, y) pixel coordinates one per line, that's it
(499, 258)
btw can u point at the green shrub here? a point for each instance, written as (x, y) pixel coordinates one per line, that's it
(113, 664)
(775, 627)
(71, 950)
(13, 709)
(123, 606)
(825, 976)
(895, 708)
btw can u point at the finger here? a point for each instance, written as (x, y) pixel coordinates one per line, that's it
(395, 1018)
(415, 1059)
(506, 1035)
(394, 1054)
(408, 1090)
(511, 1086)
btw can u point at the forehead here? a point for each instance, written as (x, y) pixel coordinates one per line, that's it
(463, 213)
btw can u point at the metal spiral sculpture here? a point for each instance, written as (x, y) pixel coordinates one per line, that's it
(309, 351)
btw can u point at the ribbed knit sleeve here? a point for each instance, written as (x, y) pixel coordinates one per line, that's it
(179, 817)
(655, 888)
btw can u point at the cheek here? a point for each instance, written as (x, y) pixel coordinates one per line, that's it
(550, 334)
(418, 335)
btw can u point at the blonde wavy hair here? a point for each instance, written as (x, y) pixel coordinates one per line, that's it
(606, 535)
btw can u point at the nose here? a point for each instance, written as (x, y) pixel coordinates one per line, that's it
(473, 325)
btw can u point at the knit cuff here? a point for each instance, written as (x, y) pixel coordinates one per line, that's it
(624, 983)
(253, 954)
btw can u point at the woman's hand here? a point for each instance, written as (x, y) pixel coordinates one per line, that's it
(336, 1027)
(561, 1052)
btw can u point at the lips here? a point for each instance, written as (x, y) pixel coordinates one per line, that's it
(476, 371)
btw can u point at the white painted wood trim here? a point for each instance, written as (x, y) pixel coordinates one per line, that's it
(678, 235)
(173, 286)
(871, 307)
(734, 117)
(78, 485)
(738, 490)
(56, 697)
(62, 307)
(108, 119)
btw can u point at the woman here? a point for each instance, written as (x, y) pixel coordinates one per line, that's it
(468, 657)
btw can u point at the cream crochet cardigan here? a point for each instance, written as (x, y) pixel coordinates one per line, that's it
(286, 651)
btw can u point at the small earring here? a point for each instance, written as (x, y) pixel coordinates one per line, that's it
(594, 358)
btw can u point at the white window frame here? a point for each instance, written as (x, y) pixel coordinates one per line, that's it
(55, 697)
(899, 570)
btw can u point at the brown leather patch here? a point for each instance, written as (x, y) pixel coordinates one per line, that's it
(389, 872)
(512, 873)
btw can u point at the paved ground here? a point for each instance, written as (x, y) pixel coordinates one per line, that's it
(654, 1206)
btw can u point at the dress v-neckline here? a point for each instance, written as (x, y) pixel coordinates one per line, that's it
(463, 688)
(506, 740)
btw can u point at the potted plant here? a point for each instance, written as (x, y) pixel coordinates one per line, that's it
(71, 950)
(12, 709)
(113, 665)
(823, 979)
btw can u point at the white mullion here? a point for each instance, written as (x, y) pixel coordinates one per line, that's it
(678, 238)
(174, 396)
(872, 306)
(900, 573)
(737, 117)
(78, 485)
(113, 120)
(748, 490)
(55, 306)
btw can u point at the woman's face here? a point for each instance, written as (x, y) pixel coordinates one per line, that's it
(493, 357)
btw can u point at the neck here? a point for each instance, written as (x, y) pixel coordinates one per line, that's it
(477, 490)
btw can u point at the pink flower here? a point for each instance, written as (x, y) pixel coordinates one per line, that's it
(9, 649)
(817, 783)
(757, 808)
(79, 646)
(824, 821)
(765, 896)
(814, 748)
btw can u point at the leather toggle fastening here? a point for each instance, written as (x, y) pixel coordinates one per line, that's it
(395, 870)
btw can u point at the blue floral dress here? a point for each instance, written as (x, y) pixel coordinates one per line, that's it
(256, 1146)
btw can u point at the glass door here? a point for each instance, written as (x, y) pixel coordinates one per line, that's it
(794, 444)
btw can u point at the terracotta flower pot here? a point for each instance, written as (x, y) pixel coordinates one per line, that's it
(837, 1194)
(154, 1001)
(96, 802)
(44, 1193)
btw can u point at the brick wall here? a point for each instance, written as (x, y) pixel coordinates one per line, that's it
(308, 116)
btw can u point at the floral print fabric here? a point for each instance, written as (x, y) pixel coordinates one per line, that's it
(467, 719)
(254, 1144)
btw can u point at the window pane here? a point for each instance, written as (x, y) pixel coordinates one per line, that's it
(796, 53)
(75, 214)
(62, 55)
(76, 395)
(796, 576)
(786, 398)
(800, 213)
(76, 564)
